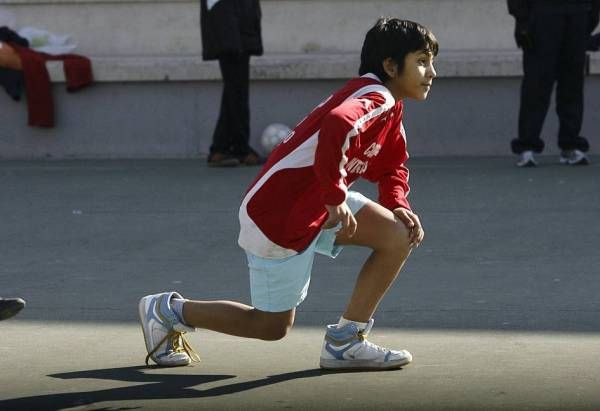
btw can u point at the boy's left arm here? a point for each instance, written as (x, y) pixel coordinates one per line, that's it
(392, 180)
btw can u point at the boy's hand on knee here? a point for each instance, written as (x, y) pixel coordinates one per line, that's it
(341, 214)
(412, 222)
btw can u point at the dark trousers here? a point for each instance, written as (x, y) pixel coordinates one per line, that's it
(559, 34)
(232, 132)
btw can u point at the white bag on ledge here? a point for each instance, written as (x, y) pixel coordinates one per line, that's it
(47, 42)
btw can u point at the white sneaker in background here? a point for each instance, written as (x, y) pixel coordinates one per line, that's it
(574, 158)
(526, 159)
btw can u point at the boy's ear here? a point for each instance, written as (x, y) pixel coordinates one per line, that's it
(390, 67)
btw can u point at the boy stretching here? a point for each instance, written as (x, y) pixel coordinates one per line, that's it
(300, 205)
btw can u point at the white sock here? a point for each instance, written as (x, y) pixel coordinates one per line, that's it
(177, 305)
(343, 321)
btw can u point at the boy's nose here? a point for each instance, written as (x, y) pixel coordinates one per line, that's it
(432, 72)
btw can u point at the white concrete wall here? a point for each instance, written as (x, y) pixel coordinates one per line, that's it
(155, 98)
(171, 27)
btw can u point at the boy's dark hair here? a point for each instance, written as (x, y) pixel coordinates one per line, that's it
(395, 38)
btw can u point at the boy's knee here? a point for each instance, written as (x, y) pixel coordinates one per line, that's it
(399, 239)
(275, 326)
(276, 331)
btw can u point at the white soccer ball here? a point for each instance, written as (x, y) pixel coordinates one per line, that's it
(273, 135)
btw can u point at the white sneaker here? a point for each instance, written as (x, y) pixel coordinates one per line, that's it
(347, 348)
(526, 159)
(574, 158)
(163, 332)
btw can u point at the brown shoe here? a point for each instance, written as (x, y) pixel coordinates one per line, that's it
(252, 159)
(222, 160)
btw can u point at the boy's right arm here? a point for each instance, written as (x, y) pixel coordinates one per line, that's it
(339, 126)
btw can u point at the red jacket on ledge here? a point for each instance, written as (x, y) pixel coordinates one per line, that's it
(38, 88)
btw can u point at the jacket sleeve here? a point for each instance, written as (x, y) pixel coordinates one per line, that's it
(392, 175)
(519, 9)
(339, 127)
(394, 188)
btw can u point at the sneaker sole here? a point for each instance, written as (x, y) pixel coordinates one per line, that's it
(582, 162)
(142, 315)
(366, 365)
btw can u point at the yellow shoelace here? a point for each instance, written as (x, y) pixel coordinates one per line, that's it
(179, 343)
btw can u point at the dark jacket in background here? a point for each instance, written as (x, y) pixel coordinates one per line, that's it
(231, 28)
(520, 9)
(594, 43)
(12, 80)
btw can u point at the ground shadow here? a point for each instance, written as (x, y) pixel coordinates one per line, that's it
(155, 387)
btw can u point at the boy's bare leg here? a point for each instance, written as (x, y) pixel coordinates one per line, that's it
(388, 237)
(238, 319)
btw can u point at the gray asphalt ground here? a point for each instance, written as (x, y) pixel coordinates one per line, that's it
(499, 306)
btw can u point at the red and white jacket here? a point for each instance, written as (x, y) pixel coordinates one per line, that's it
(356, 132)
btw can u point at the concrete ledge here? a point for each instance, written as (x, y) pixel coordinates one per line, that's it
(162, 27)
(467, 63)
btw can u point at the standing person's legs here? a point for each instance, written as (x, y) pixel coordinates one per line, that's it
(540, 65)
(569, 90)
(240, 110)
(223, 138)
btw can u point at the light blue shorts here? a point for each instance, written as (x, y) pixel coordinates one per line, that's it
(278, 285)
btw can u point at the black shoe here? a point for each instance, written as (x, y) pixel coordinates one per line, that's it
(9, 307)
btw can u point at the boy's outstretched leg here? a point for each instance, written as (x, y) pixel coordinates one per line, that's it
(167, 316)
(233, 318)
(345, 345)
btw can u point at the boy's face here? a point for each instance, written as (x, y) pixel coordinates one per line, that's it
(416, 79)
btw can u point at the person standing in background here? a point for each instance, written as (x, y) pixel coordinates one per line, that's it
(553, 35)
(231, 33)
